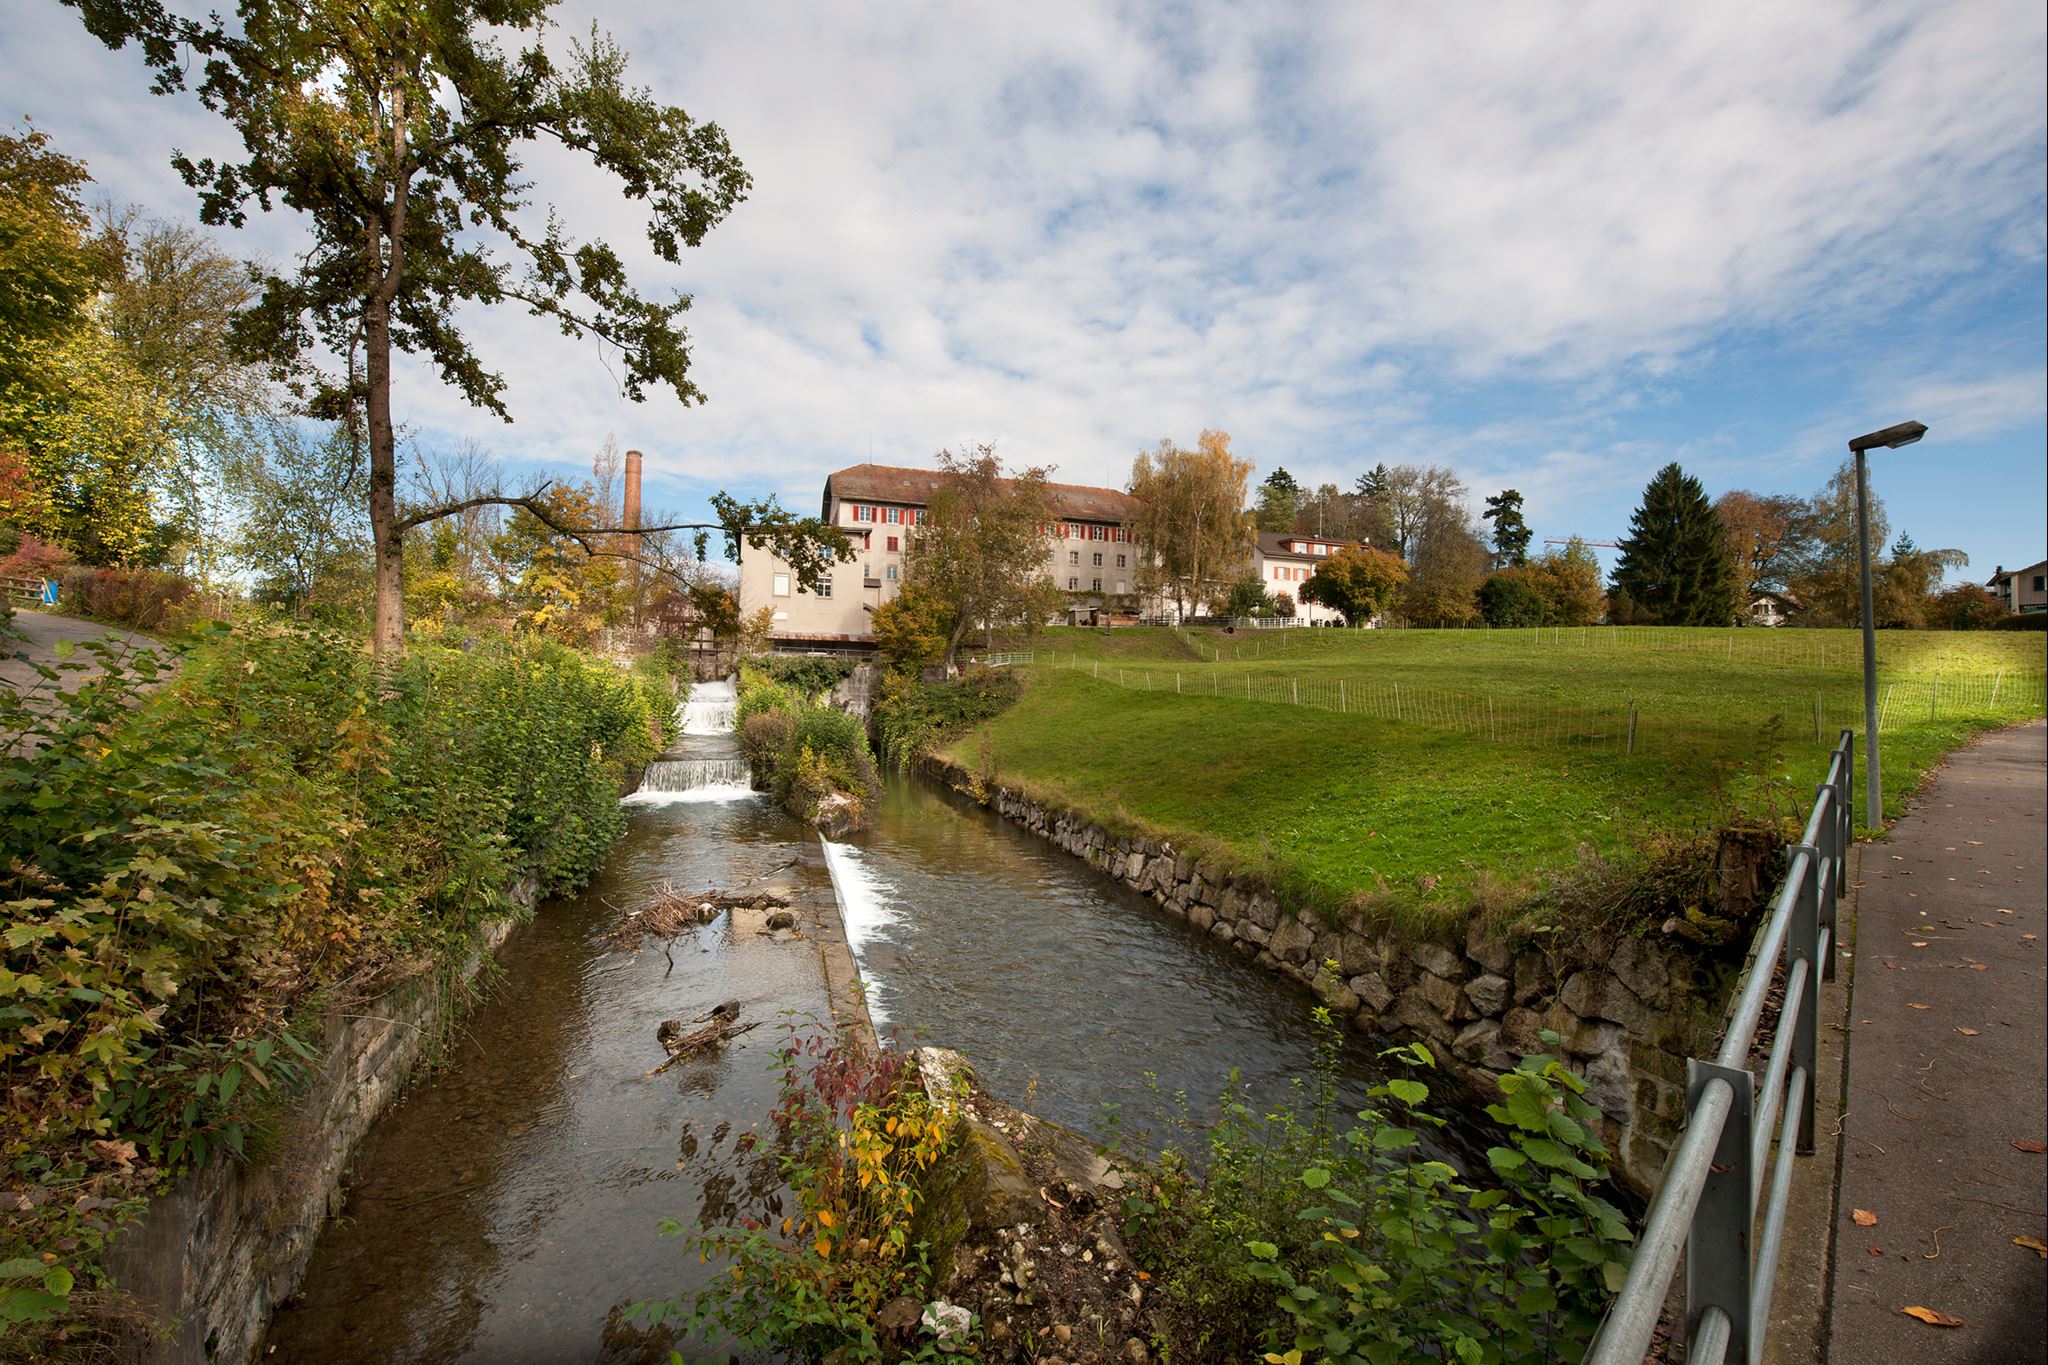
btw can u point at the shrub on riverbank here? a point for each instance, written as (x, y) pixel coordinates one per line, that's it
(862, 1148)
(809, 754)
(187, 875)
(912, 715)
(1296, 1238)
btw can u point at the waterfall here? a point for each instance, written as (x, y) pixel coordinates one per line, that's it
(865, 905)
(677, 775)
(710, 709)
(695, 774)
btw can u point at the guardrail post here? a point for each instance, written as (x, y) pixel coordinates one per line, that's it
(1848, 745)
(1830, 858)
(1803, 940)
(1717, 1251)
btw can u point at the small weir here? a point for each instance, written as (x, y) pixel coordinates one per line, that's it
(506, 1209)
(709, 779)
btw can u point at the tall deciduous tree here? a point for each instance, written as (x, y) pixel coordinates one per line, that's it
(1674, 561)
(1510, 533)
(1360, 583)
(1193, 537)
(396, 131)
(980, 547)
(1765, 534)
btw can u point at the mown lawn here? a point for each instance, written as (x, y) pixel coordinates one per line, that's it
(1510, 754)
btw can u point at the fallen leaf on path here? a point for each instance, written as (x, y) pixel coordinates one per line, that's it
(2030, 937)
(1876, 1250)
(1968, 1032)
(2026, 1146)
(2033, 1244)
(1950, 849)
(1931, 1317)
(1974, 843)
(1864, 1218)
(1979, 967)
(1918, 943)
(1912, 1006)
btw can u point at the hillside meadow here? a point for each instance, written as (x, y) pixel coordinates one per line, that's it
(1413, 773)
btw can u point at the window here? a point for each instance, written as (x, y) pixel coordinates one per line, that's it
(895, 543)
(1098, 559)
(893, 515)
(1098, 532)
(2041, 582)
(1120, 564)
(1073, 556)
(863, 512)
(825, 586)
(782, 585)
(890, 573)
(1073, 585)
(1097, 587)
(1122, 586)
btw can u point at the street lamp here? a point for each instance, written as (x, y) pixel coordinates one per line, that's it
(1891, 438)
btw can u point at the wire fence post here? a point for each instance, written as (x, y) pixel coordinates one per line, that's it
(1717, 1252)
(1492, 731)
(1994, 688)
(1343, 705)
(1176, 682)
(1397, 701)
(1886, 709)
(1295, 684)
(1816, 720)
(1631, 724)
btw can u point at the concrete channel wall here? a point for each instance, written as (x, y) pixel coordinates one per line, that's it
(212, 1258)
(1629, 1009)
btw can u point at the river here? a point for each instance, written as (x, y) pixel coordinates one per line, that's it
(506, 1209)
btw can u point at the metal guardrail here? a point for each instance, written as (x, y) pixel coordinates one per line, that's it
(1708, 1203)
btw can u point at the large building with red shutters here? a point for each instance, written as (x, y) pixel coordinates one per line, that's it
(1091, 553)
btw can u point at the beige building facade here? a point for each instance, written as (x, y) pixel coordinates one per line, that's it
(2021, 591)
(1091, 554)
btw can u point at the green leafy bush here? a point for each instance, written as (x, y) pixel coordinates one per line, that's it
(912, 715)
(1303, 1241)
(810, 676)
(803, 752)
(190, 860)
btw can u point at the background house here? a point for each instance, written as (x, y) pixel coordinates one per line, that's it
(2021, 591)
(1286, 560)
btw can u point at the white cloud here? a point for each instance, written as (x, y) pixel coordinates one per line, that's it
(1498, 235)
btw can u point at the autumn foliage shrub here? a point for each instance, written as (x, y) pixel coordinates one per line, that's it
(142, 599)
(193, 863)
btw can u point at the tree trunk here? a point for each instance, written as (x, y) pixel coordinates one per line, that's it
(387, 637)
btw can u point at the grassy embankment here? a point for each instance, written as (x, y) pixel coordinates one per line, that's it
(1510, 754)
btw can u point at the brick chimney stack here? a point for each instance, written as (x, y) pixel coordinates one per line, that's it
(631, 521)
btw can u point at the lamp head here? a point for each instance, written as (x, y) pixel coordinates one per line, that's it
(1904, 434)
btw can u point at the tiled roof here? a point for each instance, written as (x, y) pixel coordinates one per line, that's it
(1271, 544)
(914, 488)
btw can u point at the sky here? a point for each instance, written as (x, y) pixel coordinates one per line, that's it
(1554, 246)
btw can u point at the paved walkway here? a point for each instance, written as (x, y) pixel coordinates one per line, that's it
(41, 632)
(1947, 1049)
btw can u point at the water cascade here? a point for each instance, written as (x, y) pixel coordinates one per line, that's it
(677, 776)
(704, 770)
(710, 709)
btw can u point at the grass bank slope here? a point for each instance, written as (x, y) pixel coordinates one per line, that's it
(1413, 770)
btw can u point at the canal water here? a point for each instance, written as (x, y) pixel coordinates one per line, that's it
(506, 1209)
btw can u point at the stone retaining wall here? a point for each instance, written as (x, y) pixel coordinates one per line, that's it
(212, 1258)
(1629, 1010)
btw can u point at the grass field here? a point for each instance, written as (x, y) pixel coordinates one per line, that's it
(1409, 768)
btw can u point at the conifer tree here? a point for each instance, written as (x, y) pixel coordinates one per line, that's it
(1674, 562)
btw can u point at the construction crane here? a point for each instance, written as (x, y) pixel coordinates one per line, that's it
(1610, 544)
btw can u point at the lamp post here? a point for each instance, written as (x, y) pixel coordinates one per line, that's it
(1904, 434)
